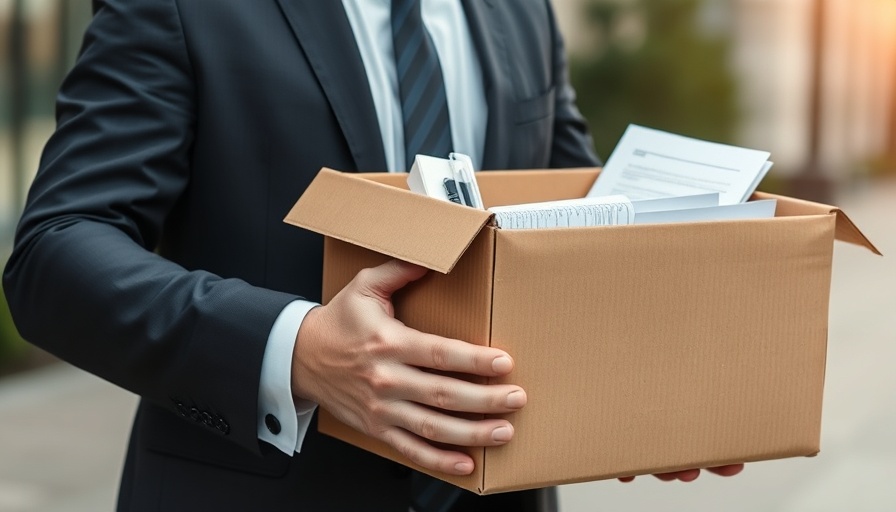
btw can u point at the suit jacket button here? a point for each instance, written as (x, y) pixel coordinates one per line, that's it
(222, 425)
(207, 419)
(194, 414)
(272, 423)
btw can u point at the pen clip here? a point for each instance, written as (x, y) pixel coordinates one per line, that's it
(451, 190)
(462, 167)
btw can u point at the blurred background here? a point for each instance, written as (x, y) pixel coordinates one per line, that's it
(811, 81)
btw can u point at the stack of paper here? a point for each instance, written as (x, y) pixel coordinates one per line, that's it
(650, 163)
(651, 177)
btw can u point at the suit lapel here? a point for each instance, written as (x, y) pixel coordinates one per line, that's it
(487, 31)
(325, 35)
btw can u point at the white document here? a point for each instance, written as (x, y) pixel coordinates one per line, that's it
(588, 211)
(767, 167)
(753, 210)
(675, 203)
(650, 163)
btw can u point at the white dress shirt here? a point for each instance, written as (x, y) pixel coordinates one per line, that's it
(371, 23)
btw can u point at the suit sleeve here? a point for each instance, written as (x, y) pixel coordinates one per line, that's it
(572, 144)
(83, 281)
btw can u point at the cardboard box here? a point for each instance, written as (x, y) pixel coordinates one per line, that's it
(643, 349)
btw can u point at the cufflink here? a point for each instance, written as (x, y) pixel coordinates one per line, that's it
(272, 423)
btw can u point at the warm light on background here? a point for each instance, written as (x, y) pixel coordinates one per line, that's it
(769, 56)
(737, 71)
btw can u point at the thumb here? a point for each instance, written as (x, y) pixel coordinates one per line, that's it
(390, 277)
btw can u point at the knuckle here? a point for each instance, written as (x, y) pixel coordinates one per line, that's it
(480, 437)
(381, 381)
(380, 337)
(443, 397)
(365, 275)
(376, 409)
(430, 428)
(482, 362)
(410, 452)
(439, 354)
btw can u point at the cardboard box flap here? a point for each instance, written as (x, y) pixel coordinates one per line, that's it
(388, 220)
(846, 230)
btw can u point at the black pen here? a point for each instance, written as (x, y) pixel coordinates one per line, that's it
(451, 190)
(465, 192)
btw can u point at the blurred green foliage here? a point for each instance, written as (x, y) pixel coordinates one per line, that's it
(12, 347)
(656, 63)
(882, 165)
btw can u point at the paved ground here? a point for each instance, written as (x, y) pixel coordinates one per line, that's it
(63, 432)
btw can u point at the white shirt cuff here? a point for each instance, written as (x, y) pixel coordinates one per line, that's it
(291, 417)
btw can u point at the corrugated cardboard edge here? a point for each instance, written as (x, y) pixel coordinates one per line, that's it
(809, 452)
(846, 230)
(388, 220)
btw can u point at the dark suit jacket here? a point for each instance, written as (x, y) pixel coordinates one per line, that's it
(152, 251)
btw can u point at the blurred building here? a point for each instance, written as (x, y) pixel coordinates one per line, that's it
(772, 58)
(38, 41)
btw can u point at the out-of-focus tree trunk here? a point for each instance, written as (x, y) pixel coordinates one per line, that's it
(812, 183)
(19, 100)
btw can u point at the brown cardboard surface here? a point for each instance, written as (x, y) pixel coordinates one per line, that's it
(680, 349)
(386, 219)
(517, 187)
(643, 349)
(846, 229)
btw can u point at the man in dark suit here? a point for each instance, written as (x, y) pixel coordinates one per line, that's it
(152, 253)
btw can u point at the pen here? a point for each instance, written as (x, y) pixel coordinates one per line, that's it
(462, 167)
(451, 190)
(465, 192)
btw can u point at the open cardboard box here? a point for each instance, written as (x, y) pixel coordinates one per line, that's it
(643, 348)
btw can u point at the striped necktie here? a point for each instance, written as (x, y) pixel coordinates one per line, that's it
(424, 105)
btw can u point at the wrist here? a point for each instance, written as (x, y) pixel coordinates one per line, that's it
(302, 376)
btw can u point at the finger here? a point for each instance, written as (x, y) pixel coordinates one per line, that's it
(443, 428)
(453, 394)
(729, 470)
(386, 279)
(685, 476)
(424, 454)
(626, 479)
(450, 355)
(688, 476)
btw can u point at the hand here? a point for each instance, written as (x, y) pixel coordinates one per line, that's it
(367, 368)
(689, 475)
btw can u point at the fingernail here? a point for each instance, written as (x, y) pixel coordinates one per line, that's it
(516, 399)
(463, 467)
(502, 364)
(502, 434)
